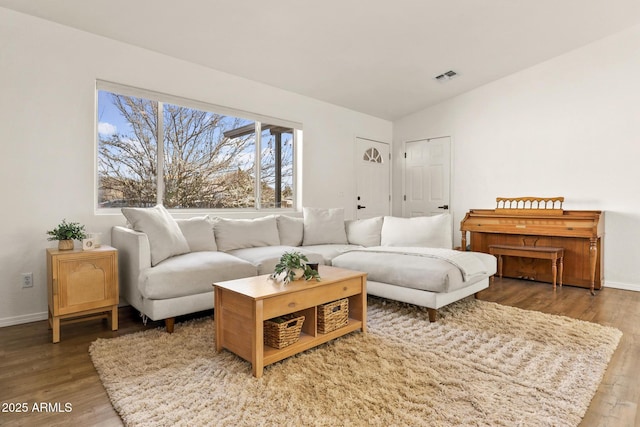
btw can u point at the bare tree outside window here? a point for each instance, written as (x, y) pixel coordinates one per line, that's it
(127, 160)
(209, 159)
(203, 167)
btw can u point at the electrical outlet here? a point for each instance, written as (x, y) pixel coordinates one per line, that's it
(27, 280)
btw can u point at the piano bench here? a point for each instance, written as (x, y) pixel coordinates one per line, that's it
(556, 256)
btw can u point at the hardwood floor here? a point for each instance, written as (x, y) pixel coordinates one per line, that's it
(34, 371)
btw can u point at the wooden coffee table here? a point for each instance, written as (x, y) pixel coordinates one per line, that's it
(241, 306)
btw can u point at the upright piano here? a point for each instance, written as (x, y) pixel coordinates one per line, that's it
(538, 221)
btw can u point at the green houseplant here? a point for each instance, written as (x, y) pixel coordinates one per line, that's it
(293, 266)
(66, 233)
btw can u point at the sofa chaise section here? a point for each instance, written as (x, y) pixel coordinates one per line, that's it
(419, 276)
(265, 258)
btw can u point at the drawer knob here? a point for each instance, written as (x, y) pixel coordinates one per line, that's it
(292, 304)
(344, 289)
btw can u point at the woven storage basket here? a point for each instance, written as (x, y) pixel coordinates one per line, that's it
(333, 315)
(282, 331)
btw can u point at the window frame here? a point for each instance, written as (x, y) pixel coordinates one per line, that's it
(163, 98)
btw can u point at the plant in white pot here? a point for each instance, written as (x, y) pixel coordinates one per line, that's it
(65, 233)
(293, 266)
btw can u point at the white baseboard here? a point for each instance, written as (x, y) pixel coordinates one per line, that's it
(625, 286)
(25, 318)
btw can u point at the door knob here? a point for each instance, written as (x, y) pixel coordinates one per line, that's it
(361, 207)
(443, 207)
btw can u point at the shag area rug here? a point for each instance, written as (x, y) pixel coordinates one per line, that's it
(480, 364)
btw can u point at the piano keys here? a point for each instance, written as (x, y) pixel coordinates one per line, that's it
(537, 221)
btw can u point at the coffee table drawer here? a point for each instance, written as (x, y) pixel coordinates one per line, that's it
(288, 303)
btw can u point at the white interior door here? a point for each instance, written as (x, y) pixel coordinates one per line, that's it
(427, 177)
(373, 172)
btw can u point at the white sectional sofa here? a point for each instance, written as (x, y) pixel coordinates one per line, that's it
(167, 266)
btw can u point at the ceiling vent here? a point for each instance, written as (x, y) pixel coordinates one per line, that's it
(446, 76)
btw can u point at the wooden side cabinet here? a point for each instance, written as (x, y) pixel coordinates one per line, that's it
(82, 285)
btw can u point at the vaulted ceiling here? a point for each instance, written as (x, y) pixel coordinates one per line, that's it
(379, 57)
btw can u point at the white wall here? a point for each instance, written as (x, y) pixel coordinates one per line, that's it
(47, 151)
(567, 127)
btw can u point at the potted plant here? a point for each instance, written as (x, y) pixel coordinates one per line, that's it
(294, 266)
(66, 233)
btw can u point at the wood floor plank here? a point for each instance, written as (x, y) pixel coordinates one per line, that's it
(33, 370)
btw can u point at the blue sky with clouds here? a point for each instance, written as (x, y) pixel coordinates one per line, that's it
(110, 120)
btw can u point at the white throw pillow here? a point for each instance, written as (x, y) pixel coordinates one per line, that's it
(324, 226)
(424, 231)
(165, 237)
(290, 229)
(246, 233)
(364, 232)
(199, 233)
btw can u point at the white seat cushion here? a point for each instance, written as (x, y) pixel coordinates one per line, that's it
(329, 252)
(266, 258)
(191, 273)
